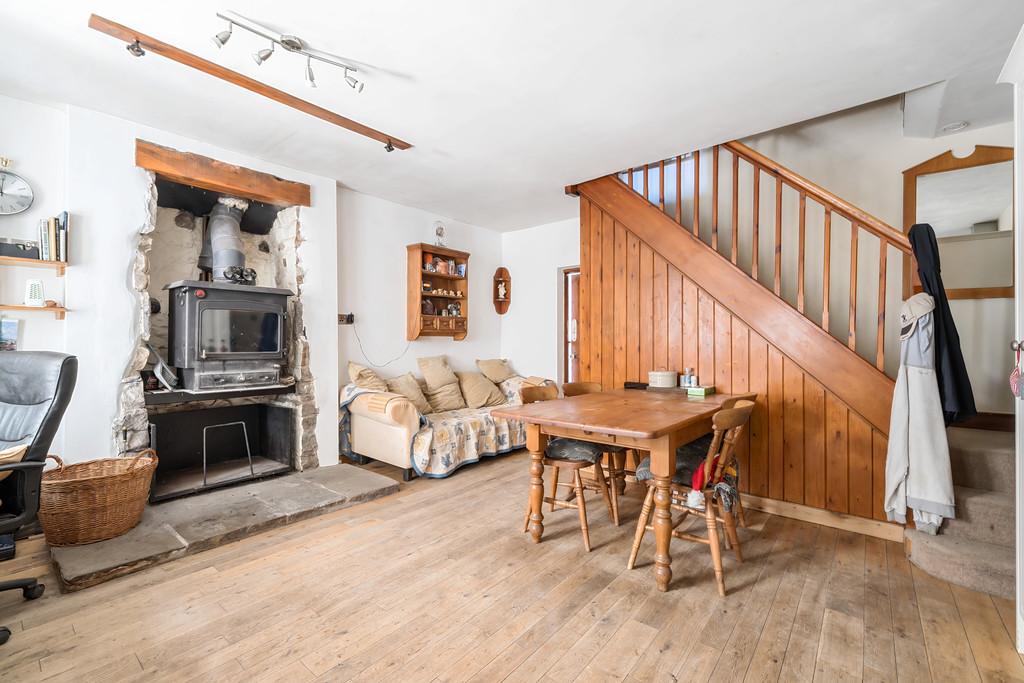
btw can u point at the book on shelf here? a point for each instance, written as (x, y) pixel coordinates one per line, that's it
(53, 237)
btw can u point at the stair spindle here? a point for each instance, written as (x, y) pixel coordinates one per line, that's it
(826, 269)
(778, 236)
(631, 177)
(756, 212)
(734, 248)
(883, 253)
(647, 178)
(661, 185)
(696, 194)
(801, 249)
(852, 338)
(679, 190)
(714, 197)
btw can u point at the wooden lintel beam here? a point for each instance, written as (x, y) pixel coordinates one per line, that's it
(209, 174)
(171, 52)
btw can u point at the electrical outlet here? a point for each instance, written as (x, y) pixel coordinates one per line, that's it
(346, 318)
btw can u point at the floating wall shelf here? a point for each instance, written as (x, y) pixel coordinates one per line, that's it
(58, 311)
(57, 266)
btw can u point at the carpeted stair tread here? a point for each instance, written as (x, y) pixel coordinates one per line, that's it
(982, 459)
(974, 564)
(983, 516)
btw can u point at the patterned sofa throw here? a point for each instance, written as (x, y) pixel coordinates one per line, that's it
(450, 439)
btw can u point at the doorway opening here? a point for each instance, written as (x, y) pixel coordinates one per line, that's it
(570, 356)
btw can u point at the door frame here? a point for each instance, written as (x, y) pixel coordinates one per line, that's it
(1013, 72)
(563, 321)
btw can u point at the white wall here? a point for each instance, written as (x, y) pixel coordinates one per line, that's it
(84, 161)
(531, 331)
(860, 155)
(372, 236)
(33, 137)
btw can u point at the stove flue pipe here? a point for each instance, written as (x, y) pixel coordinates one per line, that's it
(225, 234)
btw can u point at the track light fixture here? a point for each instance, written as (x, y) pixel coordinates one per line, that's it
(263, 55)
(224, 36)
(290, 43)
(135, 49)
(310, 81)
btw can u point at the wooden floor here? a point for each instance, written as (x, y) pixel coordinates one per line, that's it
(437, 584)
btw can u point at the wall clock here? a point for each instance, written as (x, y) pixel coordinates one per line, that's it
(15, 193)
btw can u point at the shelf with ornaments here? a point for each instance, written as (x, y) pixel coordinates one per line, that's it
(502, 291)
(438, 282)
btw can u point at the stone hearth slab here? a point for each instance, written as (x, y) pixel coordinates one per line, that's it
(190, 525)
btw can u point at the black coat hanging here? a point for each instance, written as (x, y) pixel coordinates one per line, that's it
(954, 385)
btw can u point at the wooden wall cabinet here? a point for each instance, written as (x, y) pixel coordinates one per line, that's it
(442, 288)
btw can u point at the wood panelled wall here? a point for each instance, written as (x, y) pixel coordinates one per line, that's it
(638, 312)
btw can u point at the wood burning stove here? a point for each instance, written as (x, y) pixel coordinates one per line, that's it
(226, 336)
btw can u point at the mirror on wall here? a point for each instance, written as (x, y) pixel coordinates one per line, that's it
(969, 203)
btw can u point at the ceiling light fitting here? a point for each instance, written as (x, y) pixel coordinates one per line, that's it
(263, 55)
(290, 43)
(223, 37)
(310, 80)
(139, 44)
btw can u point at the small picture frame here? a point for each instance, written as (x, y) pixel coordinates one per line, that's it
(461, 270)
(10, 330)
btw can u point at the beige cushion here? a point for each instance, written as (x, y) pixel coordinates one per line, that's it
(495, 369)
(445, 398)
(364, 377)
(12, 454)
(479, 391)
(407, 386)
(436, 371)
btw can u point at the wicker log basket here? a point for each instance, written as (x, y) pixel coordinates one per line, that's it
(95, 500)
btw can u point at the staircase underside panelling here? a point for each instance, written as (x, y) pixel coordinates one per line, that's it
(641, 311)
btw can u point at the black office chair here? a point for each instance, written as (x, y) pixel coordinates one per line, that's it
(35, 389)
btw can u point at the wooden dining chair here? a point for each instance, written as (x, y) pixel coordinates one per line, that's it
(615, 456)
(570, 455)
(728, 424)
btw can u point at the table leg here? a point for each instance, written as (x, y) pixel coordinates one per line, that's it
(663, 467)
(535, 444)
(662, 532)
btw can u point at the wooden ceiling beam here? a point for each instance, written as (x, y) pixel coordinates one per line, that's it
(209, 174)
(129, 35)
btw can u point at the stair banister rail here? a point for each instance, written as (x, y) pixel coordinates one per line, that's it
(859, 219)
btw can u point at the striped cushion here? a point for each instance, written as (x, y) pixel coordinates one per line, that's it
(689, 456)
(571, 449)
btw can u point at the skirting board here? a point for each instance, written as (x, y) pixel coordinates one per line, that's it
(837, 520)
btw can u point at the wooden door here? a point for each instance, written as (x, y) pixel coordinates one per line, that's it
(570, 325)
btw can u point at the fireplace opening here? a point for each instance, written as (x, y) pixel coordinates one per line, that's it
(218, 282)
(213, 447)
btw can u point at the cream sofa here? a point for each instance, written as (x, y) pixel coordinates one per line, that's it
(387, 427)
(382, 428)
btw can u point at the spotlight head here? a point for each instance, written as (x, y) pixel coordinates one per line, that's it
(310, 81)
(388, 147)
(353, 82)
(223, 37)
(262, 55)
(135, 49)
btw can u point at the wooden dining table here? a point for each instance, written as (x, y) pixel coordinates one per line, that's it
(646, 420)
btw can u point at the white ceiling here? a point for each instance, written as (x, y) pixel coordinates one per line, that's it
(505, 102)
(973, 97)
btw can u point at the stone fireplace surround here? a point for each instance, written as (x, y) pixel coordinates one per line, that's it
(166, 249)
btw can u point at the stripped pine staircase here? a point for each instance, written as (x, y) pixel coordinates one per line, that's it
(724, 261)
